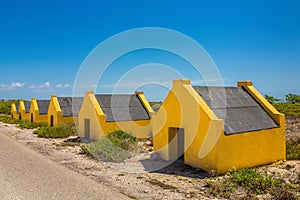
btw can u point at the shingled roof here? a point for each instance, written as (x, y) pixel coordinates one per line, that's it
(122, 107)
(27, 106)
(43, 106)
(70, 106)
(17, 108)
(240, 112)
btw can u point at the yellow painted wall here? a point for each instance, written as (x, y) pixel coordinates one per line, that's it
(55, 111)
(34, 112)
(13, 111)
(91, 110)
(206, 145)
(22, 112)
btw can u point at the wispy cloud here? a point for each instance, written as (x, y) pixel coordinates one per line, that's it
(60, 85)
(11, 86)
(44, 85)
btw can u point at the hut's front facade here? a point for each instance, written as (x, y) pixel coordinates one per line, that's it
(39, 110)
(102, 113)
(24, 110)
(218, 128)
(63, 110)
(14, 110)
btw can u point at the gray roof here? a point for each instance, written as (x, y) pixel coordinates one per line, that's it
(17, 107)
(70, 106)
(43, 106)
(27, 106)
(122, 107)
(240, 112)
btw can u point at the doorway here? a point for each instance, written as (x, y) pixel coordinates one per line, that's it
(31, 117)
(87, 128)
(51, 120)
(20, 116)
(176, 143)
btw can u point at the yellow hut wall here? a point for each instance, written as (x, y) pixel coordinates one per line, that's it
(13, 111)
(91, 110)
(55, 111)
(22, 112)
(34, 111)
(207, 146)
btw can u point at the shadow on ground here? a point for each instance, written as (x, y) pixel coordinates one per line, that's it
(173, 167)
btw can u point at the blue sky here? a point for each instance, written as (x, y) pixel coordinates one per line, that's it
(43, 43)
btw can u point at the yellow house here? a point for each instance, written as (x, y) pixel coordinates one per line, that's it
(218, 128)
(63, 110)
(39, 110)
(14, 110)
(102, 113)
(24, 110)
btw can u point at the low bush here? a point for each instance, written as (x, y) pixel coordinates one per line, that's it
(105, 150)
(253, 183)
(252, 180)
(22, 123)
(288, 108)
(9, 120)
(59, 131)
(30, 125)
(293, 149)
(5, 106)
(122, 139)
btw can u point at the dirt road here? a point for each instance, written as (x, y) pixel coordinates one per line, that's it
(26, 174)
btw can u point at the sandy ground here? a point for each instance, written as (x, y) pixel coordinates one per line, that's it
(135, 177)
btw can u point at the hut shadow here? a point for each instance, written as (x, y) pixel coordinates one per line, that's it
(177, 167)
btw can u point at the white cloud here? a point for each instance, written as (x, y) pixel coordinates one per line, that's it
(63, 85)
(44, 85)
(11, 86)
(59, 85)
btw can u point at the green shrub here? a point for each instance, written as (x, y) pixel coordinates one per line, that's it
(9, 120)
(293, 150)
(105, 150)
(5, 106)
(288, 108)
(22, 123)
(60, 131)
(155, 105)
(122, 139)
(30, 125)
(252, 180)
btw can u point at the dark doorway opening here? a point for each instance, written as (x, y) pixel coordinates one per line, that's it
(51, 120)
(87, 128)
(31, 117)
(176, 144)
(20, 116)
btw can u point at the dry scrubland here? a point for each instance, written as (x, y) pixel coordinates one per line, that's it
(177, 181)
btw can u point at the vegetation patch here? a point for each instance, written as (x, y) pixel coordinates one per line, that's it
(22, 123)
(291, 109)
(155, 105)
(254, 183)
(5, 106)
(9, 120)
(251, 180)
(293, 149)
(105, 150)
(30, 125)
(122, 139)
(59, 131)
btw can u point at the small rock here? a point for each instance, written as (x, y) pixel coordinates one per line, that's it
(149, 143)
(73, 139)
(188, 196)
(155, 156)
